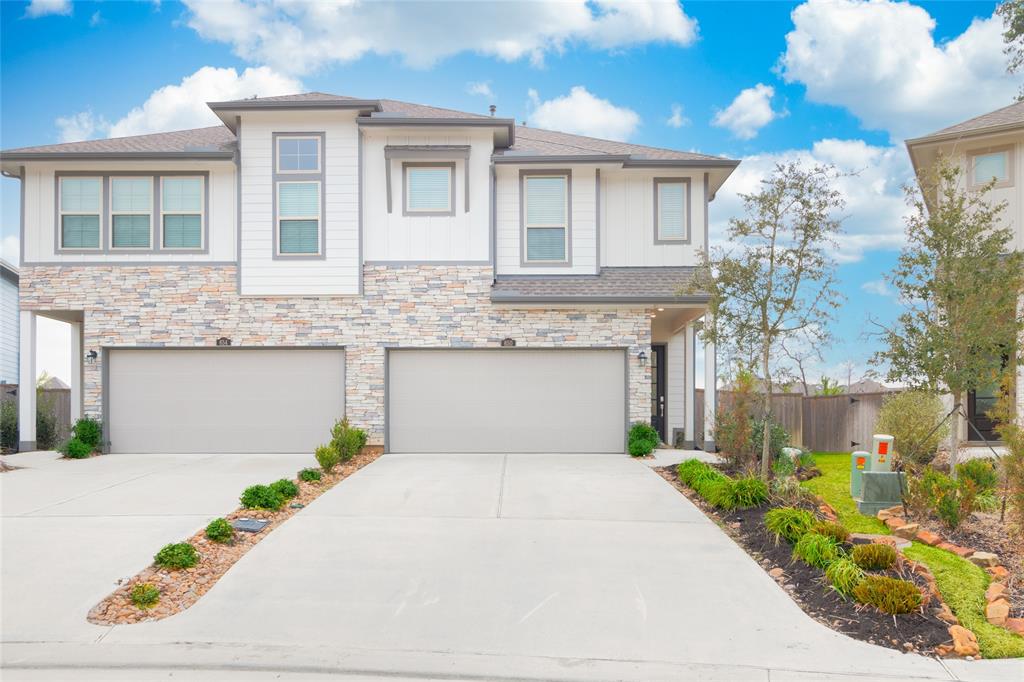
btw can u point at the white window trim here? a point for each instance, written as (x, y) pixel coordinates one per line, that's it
(202, 212)
(111, 212)
(527, 226)
(1010, 160)
(448, 210)
(317, 218)
(305, 171)
(660, 238)
(61, 213)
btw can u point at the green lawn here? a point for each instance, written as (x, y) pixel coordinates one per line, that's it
(961, 583)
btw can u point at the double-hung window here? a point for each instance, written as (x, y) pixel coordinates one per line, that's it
(80, 209)
(670, 209)
(181, 212)
(298, 218)
(991, 165)
(131, 212)
(546, 218)
(429, 189)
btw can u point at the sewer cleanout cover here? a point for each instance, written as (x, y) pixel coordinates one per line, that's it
(249, 525)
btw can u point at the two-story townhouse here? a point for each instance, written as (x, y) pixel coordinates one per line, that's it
(985, 148)
(8, 323)
(449, 281)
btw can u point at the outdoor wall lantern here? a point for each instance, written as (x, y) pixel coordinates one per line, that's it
(91, 356)
(642, 357)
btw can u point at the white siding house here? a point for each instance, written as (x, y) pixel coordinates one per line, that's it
(8, 323)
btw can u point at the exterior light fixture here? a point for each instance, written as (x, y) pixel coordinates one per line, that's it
(91, 356)
(642, 357)
(661, 310)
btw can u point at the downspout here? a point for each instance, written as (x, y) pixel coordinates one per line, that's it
(494, 225)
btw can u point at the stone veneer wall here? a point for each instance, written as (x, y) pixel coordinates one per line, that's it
(161, 305)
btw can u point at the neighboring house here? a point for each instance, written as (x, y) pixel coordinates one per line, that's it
(54, 384)
(986, 147)
(8, 323)
(238, 288)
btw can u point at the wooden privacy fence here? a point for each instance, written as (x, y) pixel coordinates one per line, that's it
(56, 400)
(840, 423)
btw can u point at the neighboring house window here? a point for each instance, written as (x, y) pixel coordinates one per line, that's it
(80, 210)
(298, 154)
(670, 210)
(181, 210)
(131, 209)
(298, 216)
(991, 165)
(429, 189)
(546, 218)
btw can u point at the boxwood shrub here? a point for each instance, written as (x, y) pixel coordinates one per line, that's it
(287, 489)
(74, 448)
(145, 595)
(220, 530)
(310, 475)
(643, 438)
(261, 497)
(177, 555)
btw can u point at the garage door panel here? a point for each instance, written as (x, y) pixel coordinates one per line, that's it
(225, 400)
(506, 400)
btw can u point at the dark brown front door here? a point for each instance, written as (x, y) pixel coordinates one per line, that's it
(979, 403)
(658, 389)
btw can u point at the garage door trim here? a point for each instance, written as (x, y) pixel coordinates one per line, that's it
(105, 413)
(513, 349)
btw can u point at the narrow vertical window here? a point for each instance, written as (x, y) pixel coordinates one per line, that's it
(131, 212)
(298, 218)
(181, 200)
(79, 209)
(546, 218)
(670, 210)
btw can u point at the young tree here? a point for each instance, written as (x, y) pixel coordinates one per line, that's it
(776, 279)
(830, 386)
(1012, 12)
(959, 283)
(800, 354)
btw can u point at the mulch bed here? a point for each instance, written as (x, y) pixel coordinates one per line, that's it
(181, 588)
(915, 632)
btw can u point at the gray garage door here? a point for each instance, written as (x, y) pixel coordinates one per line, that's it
(224, 400)
(506, 400)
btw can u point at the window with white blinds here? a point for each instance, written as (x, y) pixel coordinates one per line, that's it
(298, 216)
(991, 166)
(131, 212)
(670, 209)
(546, 218)
(80, 209)
(182, 207)
(428, 189)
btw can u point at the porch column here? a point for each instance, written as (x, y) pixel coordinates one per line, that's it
(710, 394)
(76, 371)
(690, 386)
(27, 381)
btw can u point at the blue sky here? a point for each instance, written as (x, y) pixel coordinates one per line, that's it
(838, 81)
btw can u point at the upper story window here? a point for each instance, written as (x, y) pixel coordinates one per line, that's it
(545, 211)
(131, 212)
(298, 218)
(429, 189)
(80, 201)
(296, 154)
(181, 212)
(991, 164)
(671, 210)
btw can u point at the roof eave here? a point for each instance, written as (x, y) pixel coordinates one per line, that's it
(227, 111)
(961, 134)
(99, 156)
(626, 160)
(497, 297)
(508, 124)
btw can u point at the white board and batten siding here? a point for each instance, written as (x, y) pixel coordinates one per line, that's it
(393, 236)
(337, 273)
(40, 198)
(9, 325)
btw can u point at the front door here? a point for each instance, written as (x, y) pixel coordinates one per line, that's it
(658, 389)
(979, 403)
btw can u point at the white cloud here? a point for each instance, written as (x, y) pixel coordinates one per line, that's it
(582, 113)
(880, 60)
(878, 287)
(41, 8)
(749, 112)
(181, 106)
(296, 36)
(96, 19)
(875, 206)
(677, 119)
(482, 88)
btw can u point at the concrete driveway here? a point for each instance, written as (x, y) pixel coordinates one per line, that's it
(425, 567)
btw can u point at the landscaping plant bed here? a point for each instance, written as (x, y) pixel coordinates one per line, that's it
(180, 588)
(918, 632)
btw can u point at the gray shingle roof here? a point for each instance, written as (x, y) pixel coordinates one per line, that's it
(641, 284)
(1007, 116)
(213, 139)
(536, 141)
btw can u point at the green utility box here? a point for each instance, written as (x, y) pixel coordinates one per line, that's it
(860, 461)
(880, 490)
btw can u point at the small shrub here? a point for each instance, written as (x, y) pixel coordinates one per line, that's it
(327, 457)
(8, 424)
(75, 449)
(816, 550)
(788, 492)
(145, 595)
(220, 530)
(806, 460)
(933, 492)
(784, 466)
(909, 416)
(261, 497)
(778, 438)
(643, 438)
(347, 441)
(844, 575)
(789, 523)
(310, 475)
(46, 424)
(287, 489)
(888, 595)
(748, 492)
(177, 555)
(874, 556)
(699, 476)
(981, 471)
(89, 431)
(733, 423)
(832, 530)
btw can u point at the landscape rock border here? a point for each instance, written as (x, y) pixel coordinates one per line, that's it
(181, 588)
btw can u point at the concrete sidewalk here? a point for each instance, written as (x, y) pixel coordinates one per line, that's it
(554, 567)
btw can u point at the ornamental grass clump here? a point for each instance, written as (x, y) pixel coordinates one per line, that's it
(874, 557)
(177, 555)
(888, 595)
(789, 523)
(287, 489)
(832, 530)
(261, 497)
(145, 595)
(741, 493)
(844, 575)
(816, 550)
(220, 531)
(700, 476)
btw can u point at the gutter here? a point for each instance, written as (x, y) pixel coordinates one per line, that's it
(626, 160)
(521, 298)
(90, 156)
